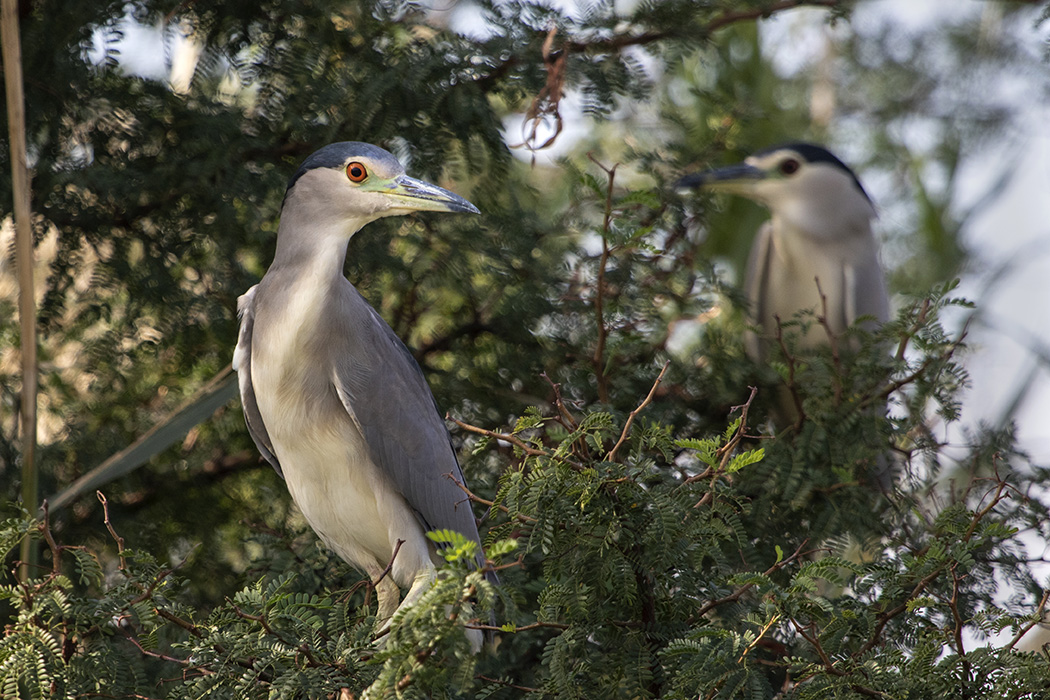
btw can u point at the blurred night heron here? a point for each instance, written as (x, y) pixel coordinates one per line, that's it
(332, 398)
(817, 252)
(818, 241)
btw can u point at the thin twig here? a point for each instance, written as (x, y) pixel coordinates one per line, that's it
(833, 343)
(1040, 614)
(905, 381)
(163, 657)
(569, 421)
(1000, 494)
(611, 457)
(789, 358)
(507, 684)
(953, 605)
(736, 595)
(726, 451)
(762, 633)
(485, 502)
(814, 642)
(598, 359)
(548, 101)
(622, 41)
(514, 440)
(390, 564)
(523, 628)
(112, 533)
(301, 648)
(45, 527)
(506, 437)
(924, 310)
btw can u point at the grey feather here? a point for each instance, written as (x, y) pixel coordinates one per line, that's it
(242, 363)
(395, 410)
(868, 292)
(755, 280)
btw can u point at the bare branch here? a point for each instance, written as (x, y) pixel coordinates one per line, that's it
(390, 564)
(598, 359)
(789, 358)
(726, 451)
(833, 342)
(514, 440)
(112, 533)
(568, 420)
(506, 684)
(722, 21)
(1040, 616)
(56, 551)
(491, 504)
(611, 457)
(736, 595)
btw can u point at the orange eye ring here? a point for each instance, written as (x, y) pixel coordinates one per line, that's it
(356, 172)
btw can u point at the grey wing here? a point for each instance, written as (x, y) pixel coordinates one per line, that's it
(384, 391)
(242, 364)
(756, 280)
(865, 286)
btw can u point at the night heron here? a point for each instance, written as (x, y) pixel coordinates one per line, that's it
(818, 241)
(332, 398)
(817, 252)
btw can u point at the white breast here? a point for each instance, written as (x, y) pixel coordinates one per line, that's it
(323, 455)
(798, 264)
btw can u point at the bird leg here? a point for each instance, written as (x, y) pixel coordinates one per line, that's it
(421, 583)
(388, 594)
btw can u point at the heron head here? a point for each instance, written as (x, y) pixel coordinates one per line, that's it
(355, 183)
(803, 184)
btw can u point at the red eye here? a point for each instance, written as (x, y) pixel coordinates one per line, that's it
(788, 167)
(357, 172)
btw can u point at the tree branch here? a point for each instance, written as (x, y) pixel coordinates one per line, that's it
(514, 440)
(1040, 614)
(736, 595)
(611, 457)
(598, 359)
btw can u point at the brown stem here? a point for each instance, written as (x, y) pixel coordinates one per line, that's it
(789, 359)
(723, 20)
(1040, 613)
(736, 595)
(598, 359)
(726, 451)
(507, 684)
(611, 457)
(485, 502)
(833, 343)
(569, 421)
(45, 528)
(390, 564)
(112, 533)
(953, 605)
(514, 440)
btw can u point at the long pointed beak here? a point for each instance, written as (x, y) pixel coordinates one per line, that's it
(415, 195)
(732, 178)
